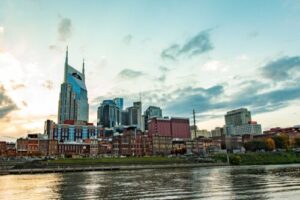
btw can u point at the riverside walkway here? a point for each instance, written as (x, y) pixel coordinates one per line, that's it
(105, 168)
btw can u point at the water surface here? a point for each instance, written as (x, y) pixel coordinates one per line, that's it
(247, 182)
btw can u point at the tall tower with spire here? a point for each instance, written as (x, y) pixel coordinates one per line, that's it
(73, 100)
(66, 66)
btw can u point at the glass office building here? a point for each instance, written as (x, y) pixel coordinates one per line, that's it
(73, 100)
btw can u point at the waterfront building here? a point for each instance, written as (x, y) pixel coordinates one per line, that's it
(124, 117)
(2, 148)
(119, 102)
(150, 112)
(199, 133)
(237, 117)
(71, 149)
(73, 99)
(251, 128)
(161, 145)
(234, 143)
(135, 114)
(108, 114)
(217, 132)
(238, 122)
(73, 131)
(174, 127)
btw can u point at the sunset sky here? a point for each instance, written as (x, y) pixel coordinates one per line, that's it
(211, 56)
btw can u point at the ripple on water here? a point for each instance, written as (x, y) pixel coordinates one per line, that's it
(257, 182)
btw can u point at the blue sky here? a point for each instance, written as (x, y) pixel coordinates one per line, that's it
(212, 56)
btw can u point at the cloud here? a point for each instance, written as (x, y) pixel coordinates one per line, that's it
(24, 103)
(48, 84)
(16, 86)
(171, 52)
(128, 39)
(214, 65)
(55, 48)
(163, 73)
(242, 57)
(6, 103)
(210, 100)
(64, 29)
(196, 45)
(253, 34)
(1, 29)
(130, 74)
(200, 99)
(282, 68)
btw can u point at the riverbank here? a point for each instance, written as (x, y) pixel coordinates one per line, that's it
(66, 169)
(260, 158)
(137, 163)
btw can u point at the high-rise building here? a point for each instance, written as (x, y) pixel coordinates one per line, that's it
(124, 117)
(238, 122)
(135, 114)
(237, 117)
(109, 114)
(73, 100)
(119, 102)
(152, 111)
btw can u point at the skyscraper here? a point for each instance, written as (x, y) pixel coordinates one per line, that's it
(238, 122)
(73, 100)
(109, 114)
(152, 111)
(237, 117)
(119, 102)
(135, 114)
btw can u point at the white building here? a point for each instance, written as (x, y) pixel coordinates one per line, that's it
(251, 128)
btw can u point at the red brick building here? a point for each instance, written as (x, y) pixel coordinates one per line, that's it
(174, 127)
(2, 148)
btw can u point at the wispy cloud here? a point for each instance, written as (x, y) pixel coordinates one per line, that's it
(130, 74)
(48, 84)
(64, 29)
(196, 45)
(282, 68)
(128, 39)
(6, 103)
(16, 86)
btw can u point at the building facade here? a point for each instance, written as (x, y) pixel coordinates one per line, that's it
(108, 114)
(135, 114)
(73, 100)
(174, 127)
(150, 112)
(73, 131)
(237, 117)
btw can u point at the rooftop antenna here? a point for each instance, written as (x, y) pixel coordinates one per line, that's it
(195, 128)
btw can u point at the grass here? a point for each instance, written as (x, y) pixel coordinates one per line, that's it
(261, 158)
(116, 161)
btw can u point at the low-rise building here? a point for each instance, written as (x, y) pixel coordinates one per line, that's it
(2, 148)
(161, 145)
(174, 127)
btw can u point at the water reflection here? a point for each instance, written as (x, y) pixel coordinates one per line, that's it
(45, 186)
(206, 183)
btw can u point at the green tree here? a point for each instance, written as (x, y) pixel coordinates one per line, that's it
(282, 141)
(297, 142)
(255, 145)
(269, 144)
(235, 160)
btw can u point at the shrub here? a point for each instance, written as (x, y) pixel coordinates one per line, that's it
(235, 160)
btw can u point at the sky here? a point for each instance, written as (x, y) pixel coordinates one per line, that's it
(212, 56)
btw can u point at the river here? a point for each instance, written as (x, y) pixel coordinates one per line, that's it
(241, 182)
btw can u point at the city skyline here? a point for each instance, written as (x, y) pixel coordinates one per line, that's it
(192, 55)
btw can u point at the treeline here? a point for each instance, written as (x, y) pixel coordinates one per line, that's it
(270, 144)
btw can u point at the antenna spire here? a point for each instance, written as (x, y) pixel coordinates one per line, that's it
(83, 70)
(66, 66)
